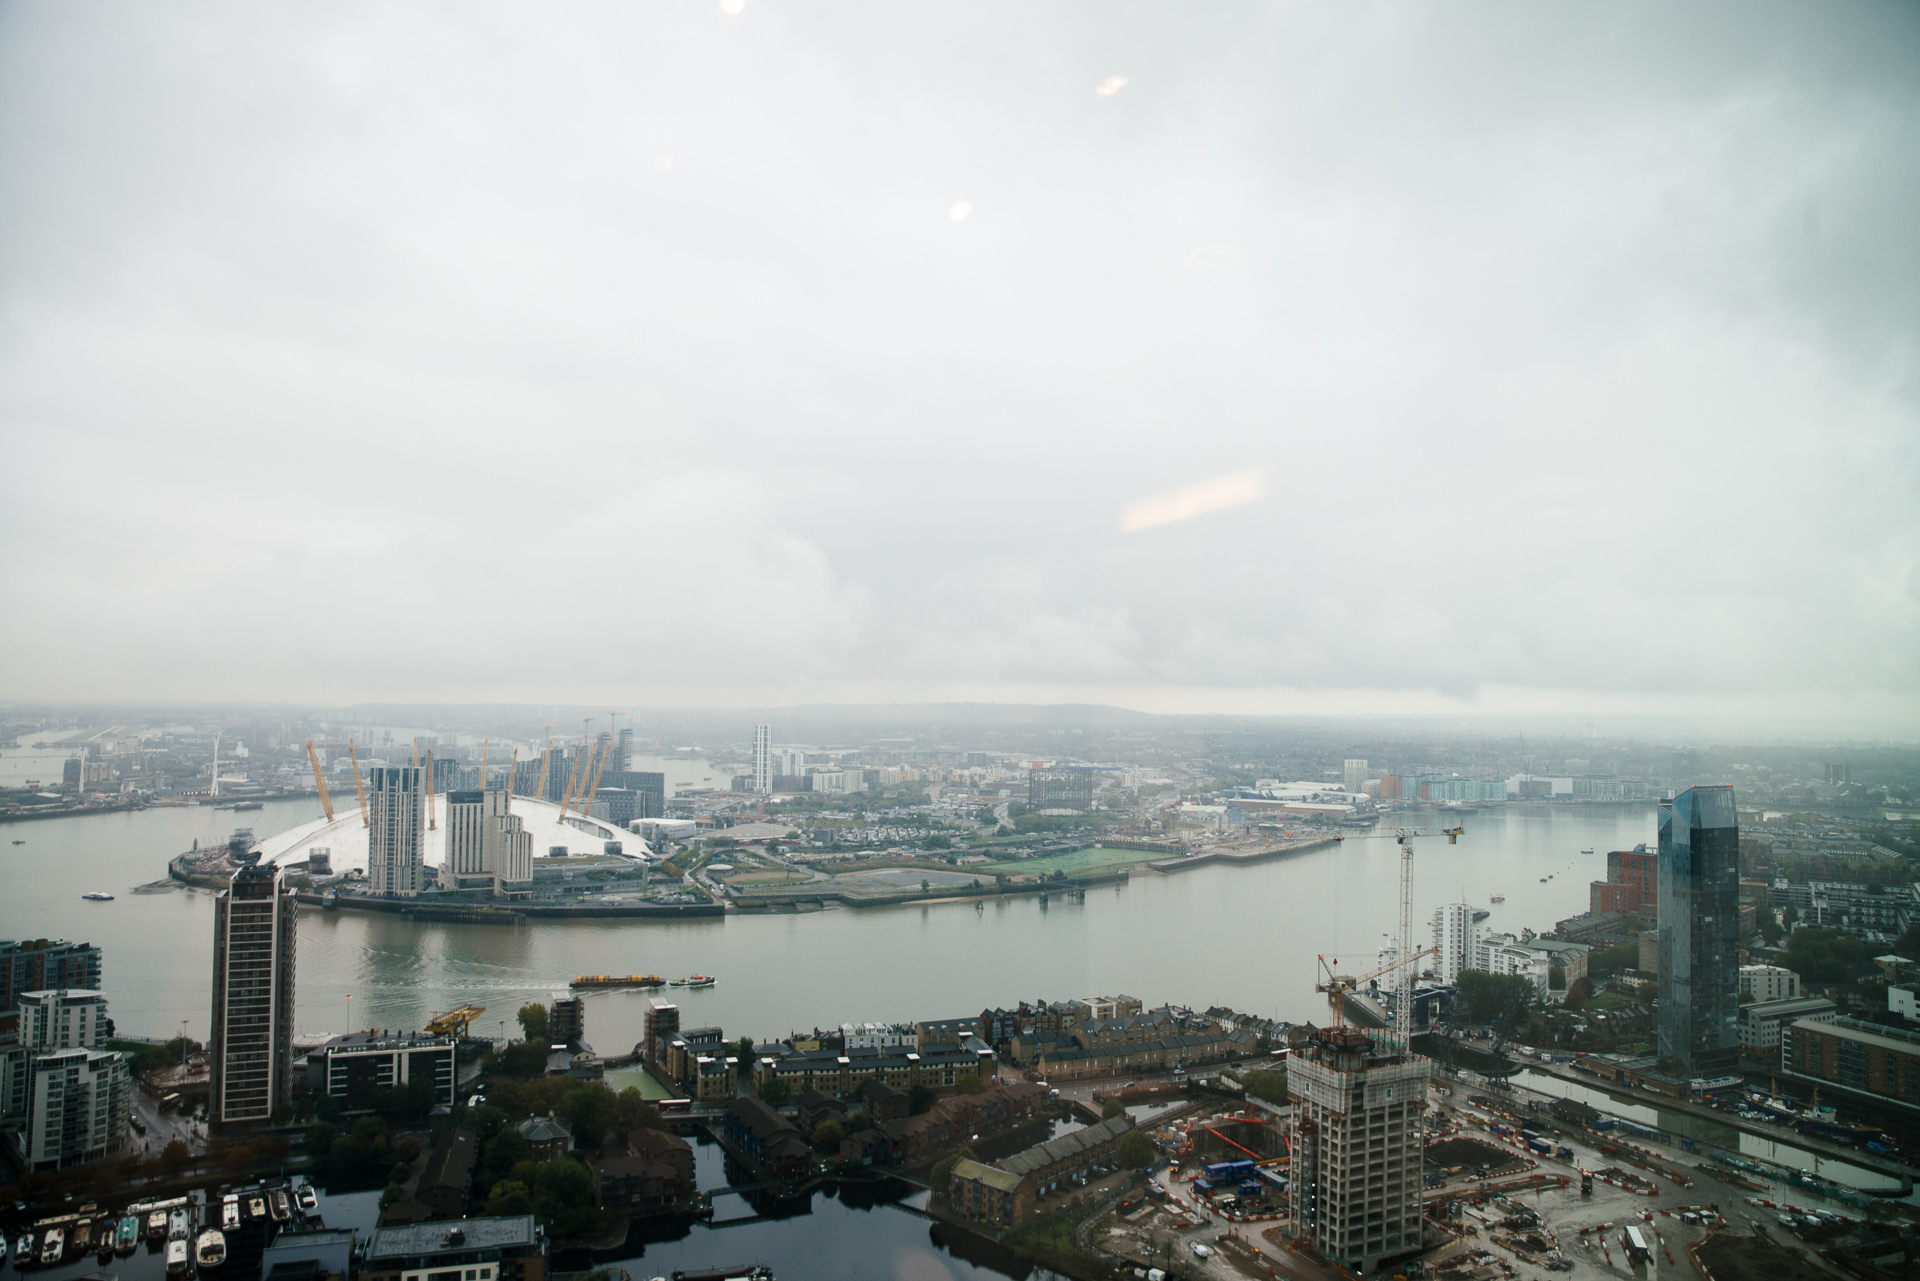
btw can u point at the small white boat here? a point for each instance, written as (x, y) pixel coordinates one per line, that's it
(53, 1246)
(176, 1257)
(23, 1251)
(308, 1199)
(230, 1211)
(1498, 898)
(179, 1227)
(257, 1206)
(157, 1226)
(210, 1249)
(277, 1206)
(98, 896)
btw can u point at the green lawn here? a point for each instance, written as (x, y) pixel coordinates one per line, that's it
(1072, 863)
(1604, 1001)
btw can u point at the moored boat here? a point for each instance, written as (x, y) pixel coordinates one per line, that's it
(617, 980)
(157, 1225)
(176, 1257)
(179, 1227)
(128, 1234)
(309, 1200)
(23, 1251)
(277, 1206)
(210, 1249)
(257, 1206)
(82, 1237)
(53, 1246)
(230, 1211)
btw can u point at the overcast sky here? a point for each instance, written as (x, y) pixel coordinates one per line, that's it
(1549, 357)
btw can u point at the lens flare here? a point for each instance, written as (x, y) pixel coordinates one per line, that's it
(732, 8)
(1195, 500)
(1110, 86)
(663, 164)
(961, 208)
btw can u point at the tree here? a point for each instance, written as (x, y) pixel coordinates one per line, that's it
(533, 1022)
(924, 885)
(175, 1157)
(402, 1171)
(1579, 992)
(1506, 999)
(408, 1148)
(984, 816)
(1908, 945)
(775, 1092)
(1826, 956)
(827, 1136)
(507, 1150)
(937, 843)
(1112, 1108)
(970, 1084)
(320, 1137)
(1770, 933)
(509, 1198)
(1790, 917)
(1134, 1151)
(1556, 978)
(744, 1050)
(942, 1174)
(1262, 1084)
(920, 1098)
(391, 1193)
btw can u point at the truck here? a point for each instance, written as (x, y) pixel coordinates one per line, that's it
(1540, 1147)
(1636, 1244)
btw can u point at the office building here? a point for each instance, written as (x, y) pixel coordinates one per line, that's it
(37, 965)
(1453, 933)
(1633, 883)
(348, 1068)
(1699, 880)
(623, 751)
(488, 846)
(649, 788)
(78, 1109)
(763, 759)
(1060, 787)
(1763, 1023)
(1357, 1146)
(1354, 775)
(250, 1046)
(397, 820)
(1769, 983)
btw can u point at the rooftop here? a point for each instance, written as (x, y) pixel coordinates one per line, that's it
(1046, 1154)
(433, 1238)
(1004, 1180)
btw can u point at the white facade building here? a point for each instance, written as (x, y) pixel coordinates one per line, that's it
(763, 759)
(78, 1108)
(1762, 1022)
(1769, 983)
(1454, 933)
(487, 844)
(250, 1042)
(397, 819)
(50, 1021)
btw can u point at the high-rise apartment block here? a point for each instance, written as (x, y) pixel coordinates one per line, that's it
(60, 1019)
(658, 1026)
(396, 831)
(1699, 887)
(1454, 934)
(763, 759)
(250, 1047)
(1354, 775)
(38, 965)
(78, 1108)
(488, 847)
(623, 751)
(1060, 787)
(1357, 1146)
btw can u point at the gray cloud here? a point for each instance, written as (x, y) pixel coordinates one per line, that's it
(369, 352)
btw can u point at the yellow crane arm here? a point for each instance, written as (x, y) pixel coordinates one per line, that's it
(359, 788)
(587, 809)
(546, 763)
(319, 781)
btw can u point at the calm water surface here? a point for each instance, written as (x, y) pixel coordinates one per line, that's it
(1244, 937)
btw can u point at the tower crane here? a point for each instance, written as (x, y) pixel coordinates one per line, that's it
(1403, 1008)
(1338, 986)
(359, 788)
(319, 781)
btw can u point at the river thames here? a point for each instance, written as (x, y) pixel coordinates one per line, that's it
(1246, 937)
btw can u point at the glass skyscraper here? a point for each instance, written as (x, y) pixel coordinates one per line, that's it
(1699, 931)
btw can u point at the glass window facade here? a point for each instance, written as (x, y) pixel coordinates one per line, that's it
(1699, 931)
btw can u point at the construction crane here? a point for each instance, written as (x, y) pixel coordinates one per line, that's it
(1339, 986)
(319, 781)
(1403, 1008)
(455, 1022)
(359, 788)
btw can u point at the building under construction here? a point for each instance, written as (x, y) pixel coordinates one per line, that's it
(1357, 1151)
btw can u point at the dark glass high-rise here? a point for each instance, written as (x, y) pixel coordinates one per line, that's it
(1699, 931)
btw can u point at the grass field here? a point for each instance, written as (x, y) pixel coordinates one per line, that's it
(772, 876)
(1074, 863)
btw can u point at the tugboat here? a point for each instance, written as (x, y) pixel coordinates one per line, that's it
(210, 1250)
(697, 980)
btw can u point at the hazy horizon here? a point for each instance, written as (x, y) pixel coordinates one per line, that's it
(1380, 360)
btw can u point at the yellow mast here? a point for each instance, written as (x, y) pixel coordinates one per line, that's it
(326, 802)
(579, 775)
(546, 762)
(359, 788)
(586, 809)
